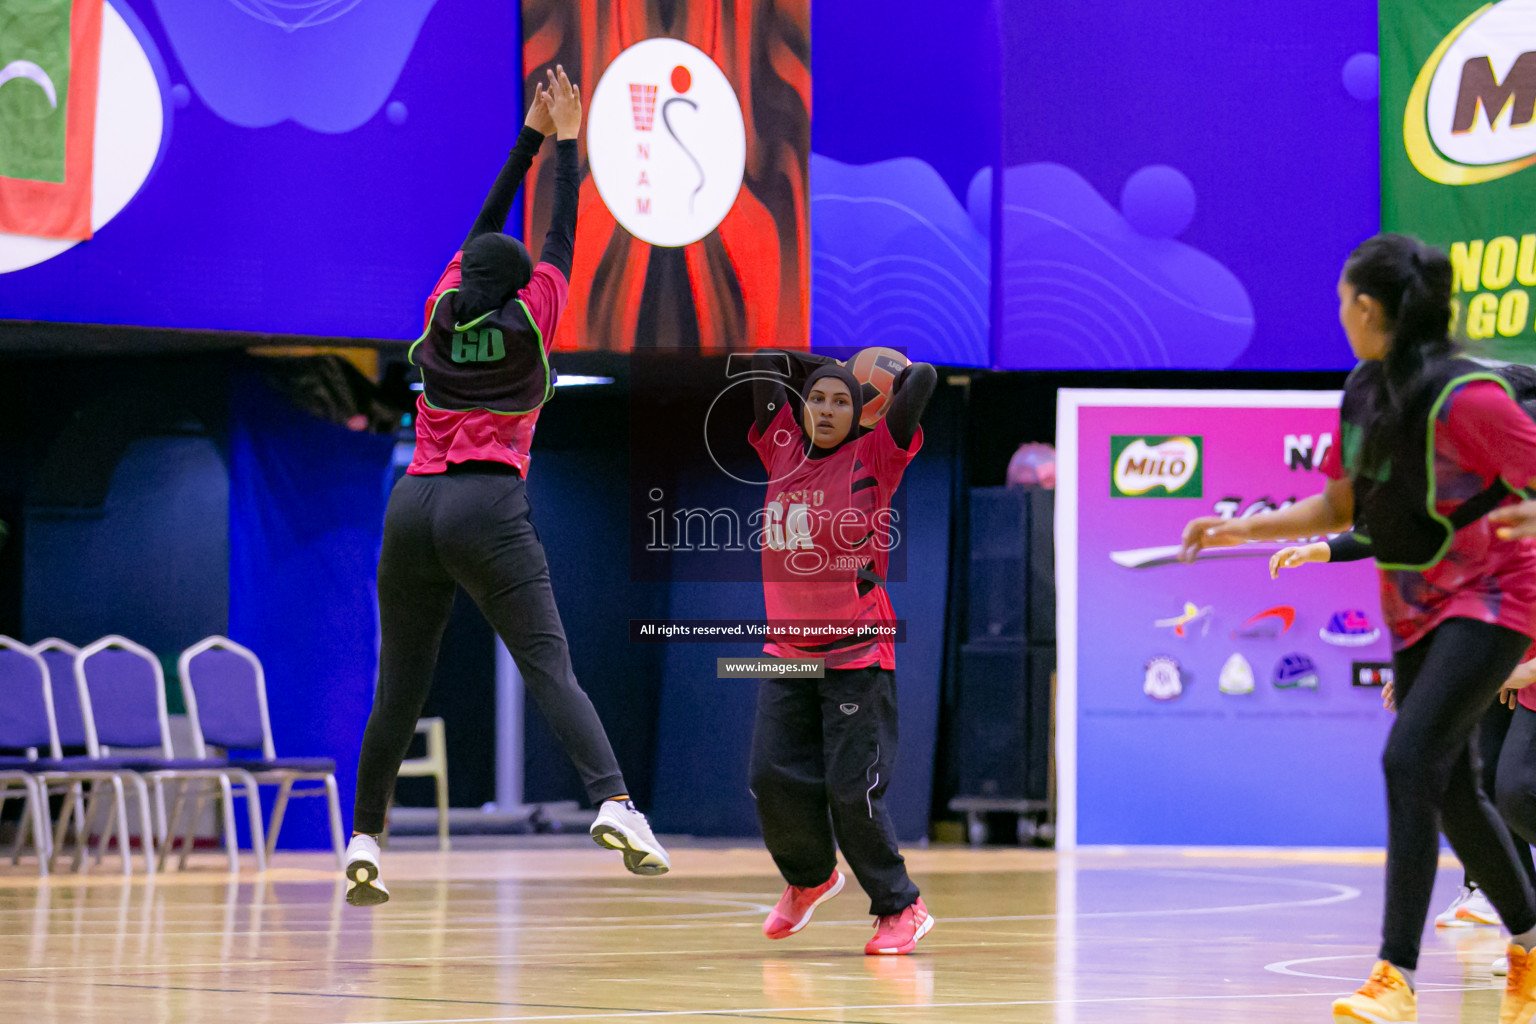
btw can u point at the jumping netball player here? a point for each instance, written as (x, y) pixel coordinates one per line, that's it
(1422, 432)
(460, 516)
(823, 749)
(1511, 782)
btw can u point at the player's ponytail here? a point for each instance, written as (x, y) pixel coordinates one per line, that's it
(1413, 283)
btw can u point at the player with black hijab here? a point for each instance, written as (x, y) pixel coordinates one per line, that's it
(460, 516)
(823, 748)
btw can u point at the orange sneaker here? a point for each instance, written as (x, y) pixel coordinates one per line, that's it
(796, 906)
(897, 934)
(1384, 999)
(1519, 1005)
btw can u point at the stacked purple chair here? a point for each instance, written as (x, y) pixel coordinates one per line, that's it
(59, 656)
(225, 691)
(122, 700)
(26, 723)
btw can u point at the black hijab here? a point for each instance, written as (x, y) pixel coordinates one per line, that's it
(859, 394)
(495, 267)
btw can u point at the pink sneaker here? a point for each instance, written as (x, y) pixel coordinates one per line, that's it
(897, 934)
(798, 904)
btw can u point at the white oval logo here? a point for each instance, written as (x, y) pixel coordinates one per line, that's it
(1469, 115)
(1142, 466)
(666, 142)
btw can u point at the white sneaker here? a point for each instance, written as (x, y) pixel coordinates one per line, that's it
(1500, 967)
(364, 886)
(1477, 910)
(1470, 907)
(620, 827)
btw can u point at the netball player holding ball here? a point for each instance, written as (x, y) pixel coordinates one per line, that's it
(460, 516)
(1423, 432)
(823, 749)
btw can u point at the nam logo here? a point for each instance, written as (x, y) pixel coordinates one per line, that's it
(1469, 117)
(1155, 467)
(666, 142)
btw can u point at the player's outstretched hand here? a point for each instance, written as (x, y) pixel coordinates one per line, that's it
(564, 103)
(539, 118)
(1389, 697)
(1211, 532)
(1523, 676)
(1301, 554)
(1515, 520)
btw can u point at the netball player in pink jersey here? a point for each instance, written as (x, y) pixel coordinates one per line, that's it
(460, 516)
(1425, 435)
(823, 749)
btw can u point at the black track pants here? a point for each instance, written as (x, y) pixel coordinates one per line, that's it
(1444, 682)
(1515, 789)
(1492, 730)
(822, 753)
(469, 527)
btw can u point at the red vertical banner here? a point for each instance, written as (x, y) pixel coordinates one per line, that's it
(693, 229)
(50, 63)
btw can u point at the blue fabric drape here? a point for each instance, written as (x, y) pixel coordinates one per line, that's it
(306, 521)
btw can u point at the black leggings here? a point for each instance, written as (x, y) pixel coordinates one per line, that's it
(1519, 776)
(822, 754)
(469, 527)
(1515, 794)
(1443, 684)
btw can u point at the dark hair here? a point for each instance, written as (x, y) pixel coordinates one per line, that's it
(1413, 283)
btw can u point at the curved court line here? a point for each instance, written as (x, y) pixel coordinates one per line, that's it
(1284, 967)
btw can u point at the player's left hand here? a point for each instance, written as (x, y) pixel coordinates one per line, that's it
(1389, 697)
(1523, 675)
(1515, 521)
(539, 117)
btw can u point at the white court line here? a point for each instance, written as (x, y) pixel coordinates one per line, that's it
(1284, 967)
(745, 1010)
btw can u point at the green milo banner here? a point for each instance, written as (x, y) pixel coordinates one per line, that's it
(1458, 166)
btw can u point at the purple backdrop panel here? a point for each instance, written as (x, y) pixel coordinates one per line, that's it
(1215, 705)
(1184, 182)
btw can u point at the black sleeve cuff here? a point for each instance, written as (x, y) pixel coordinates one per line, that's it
(529, 140)
(1347, 547)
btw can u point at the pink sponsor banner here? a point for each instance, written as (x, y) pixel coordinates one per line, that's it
(1207, 704)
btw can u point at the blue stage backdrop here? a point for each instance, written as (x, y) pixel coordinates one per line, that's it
(1178, 189)
(306, 520)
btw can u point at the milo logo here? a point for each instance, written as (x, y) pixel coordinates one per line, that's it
(1155, 467)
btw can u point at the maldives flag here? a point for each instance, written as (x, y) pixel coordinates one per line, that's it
(50, 57)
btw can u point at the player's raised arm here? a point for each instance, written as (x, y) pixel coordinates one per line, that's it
(564, 103)
(498, 202)
(909, 397)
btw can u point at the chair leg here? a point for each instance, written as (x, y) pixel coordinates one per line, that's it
(189, 837)
(231, 837)
(120, 808)
(146, 826)
(253, 820)
(338, 841)
(21, 833)
(83, 832)
(442, 811)
(38, 799)
(173, 823)
(279, 808)
(113, 806)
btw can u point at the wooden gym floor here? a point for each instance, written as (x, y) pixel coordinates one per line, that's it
(558, 932)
